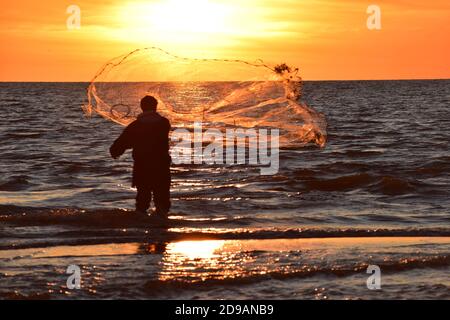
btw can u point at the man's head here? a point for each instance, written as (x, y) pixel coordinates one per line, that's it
(149, 103)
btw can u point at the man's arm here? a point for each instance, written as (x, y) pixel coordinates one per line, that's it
(122, 143)
(168, 128)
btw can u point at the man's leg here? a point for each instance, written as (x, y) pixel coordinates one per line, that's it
(143, 198)
(161, 193)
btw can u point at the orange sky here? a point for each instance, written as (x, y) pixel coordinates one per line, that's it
(327, 39)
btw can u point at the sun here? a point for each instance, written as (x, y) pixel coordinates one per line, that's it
(176, 21)
(197, 16)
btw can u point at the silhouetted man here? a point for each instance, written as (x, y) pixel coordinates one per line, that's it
(148, 136)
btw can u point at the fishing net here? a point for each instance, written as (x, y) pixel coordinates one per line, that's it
(220, 93)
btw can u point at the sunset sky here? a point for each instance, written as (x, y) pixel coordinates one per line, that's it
(326, 39)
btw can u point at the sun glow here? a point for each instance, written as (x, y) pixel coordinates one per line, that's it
(177, 21)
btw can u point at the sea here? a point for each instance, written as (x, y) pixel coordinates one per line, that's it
(365, 217)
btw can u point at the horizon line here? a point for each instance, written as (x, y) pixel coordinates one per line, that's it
(304, 80)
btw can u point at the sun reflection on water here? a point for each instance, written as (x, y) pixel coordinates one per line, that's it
(195, 249)
(192, 261)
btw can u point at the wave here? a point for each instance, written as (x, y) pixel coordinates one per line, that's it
(436, 261)
(80, 227)
(123, 218)
(20, 136)
(340, 183)
(387, 185)
(375, 183)
(16, 183)
(394, 186)
(435, 168)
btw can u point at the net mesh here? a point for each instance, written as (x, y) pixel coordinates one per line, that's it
(219, 92)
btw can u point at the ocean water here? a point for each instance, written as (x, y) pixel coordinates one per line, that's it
(377, 194)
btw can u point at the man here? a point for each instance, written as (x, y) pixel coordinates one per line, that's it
(148, 136)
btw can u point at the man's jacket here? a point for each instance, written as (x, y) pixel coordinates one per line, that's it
(148, 136)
